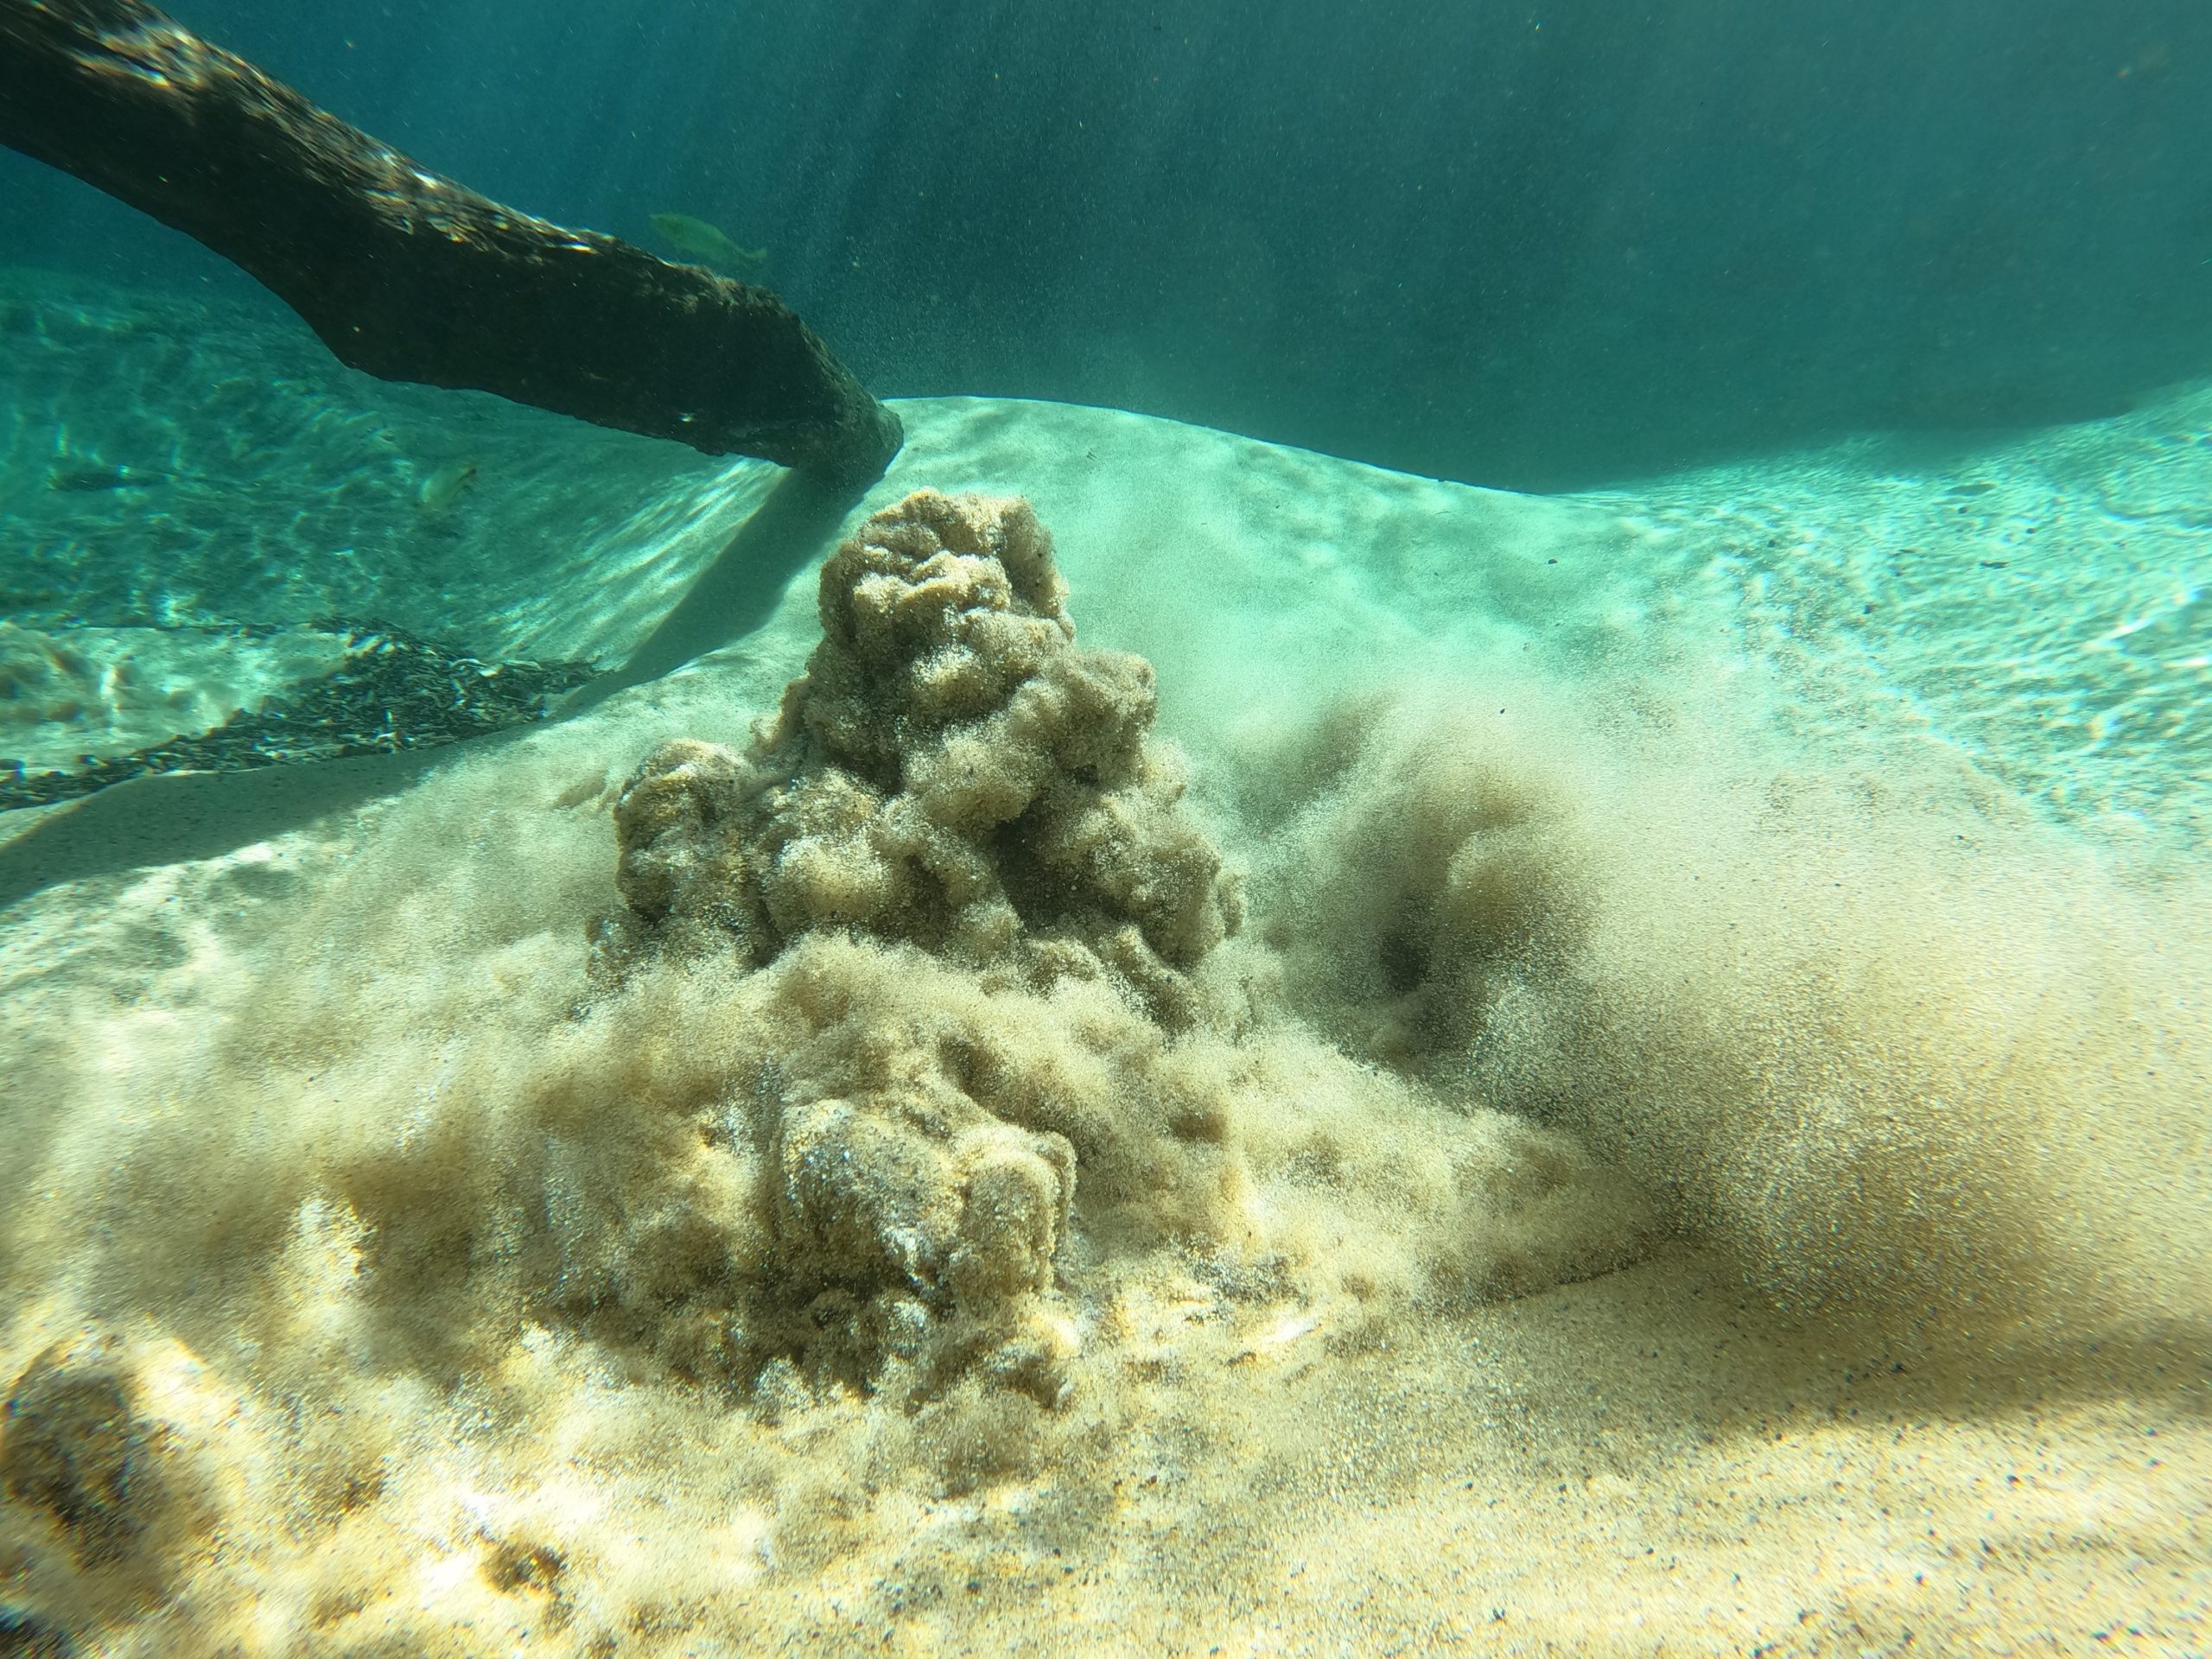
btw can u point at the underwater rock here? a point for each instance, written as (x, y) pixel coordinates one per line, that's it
(951, 771)
(74, 1449)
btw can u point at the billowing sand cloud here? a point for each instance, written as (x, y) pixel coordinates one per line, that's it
(1795, 1008)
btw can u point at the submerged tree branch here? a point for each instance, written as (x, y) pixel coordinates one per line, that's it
(410, 276)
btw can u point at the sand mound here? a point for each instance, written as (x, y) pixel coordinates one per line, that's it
(950, 773)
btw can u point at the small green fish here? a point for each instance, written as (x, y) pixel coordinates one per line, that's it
(83, 480)
(706, 243)
(437, 493)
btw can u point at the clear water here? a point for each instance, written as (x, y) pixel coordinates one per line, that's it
(1674, 591)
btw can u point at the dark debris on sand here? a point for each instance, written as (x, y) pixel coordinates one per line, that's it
(395, 690)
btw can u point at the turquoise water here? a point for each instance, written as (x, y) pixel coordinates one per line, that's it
(1472, 916)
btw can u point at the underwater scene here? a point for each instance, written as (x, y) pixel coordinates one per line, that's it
(1225, 830)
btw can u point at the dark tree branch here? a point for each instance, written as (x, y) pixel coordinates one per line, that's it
(409, 276)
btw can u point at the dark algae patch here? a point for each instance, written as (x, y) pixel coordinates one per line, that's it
(394, 691)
